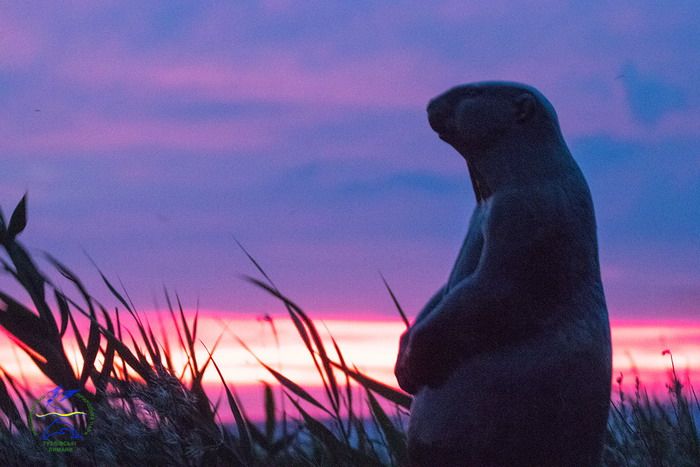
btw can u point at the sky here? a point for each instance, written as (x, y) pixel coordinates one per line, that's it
(150, 136)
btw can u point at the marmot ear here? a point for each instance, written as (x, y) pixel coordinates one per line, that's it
(524, 106)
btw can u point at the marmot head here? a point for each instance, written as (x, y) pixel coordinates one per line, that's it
(478, 115)
(499, 128)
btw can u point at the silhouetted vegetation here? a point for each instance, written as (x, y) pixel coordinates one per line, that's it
(148, 412)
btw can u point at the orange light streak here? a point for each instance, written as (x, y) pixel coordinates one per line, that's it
(371, 344)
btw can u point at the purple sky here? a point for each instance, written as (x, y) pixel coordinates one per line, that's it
(151, 133)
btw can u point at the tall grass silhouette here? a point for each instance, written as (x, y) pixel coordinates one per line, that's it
(150, 412)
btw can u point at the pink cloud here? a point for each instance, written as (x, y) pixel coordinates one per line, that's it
(95, 133)
(92, 131)
(274, 76)
(389, 81)
(19, 45)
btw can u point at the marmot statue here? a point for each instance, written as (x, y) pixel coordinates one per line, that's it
(510, 362)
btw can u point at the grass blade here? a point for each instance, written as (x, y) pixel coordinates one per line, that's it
(89, 356)
(64, 310)
(241, 425)
(270, 419)
(327, 373)
(396, 302)
(8, 406)
(396, 441)
(18, 220)
(387, 392)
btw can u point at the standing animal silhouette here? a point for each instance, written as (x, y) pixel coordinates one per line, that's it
(510, 362)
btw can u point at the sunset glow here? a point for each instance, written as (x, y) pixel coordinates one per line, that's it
(371, 345)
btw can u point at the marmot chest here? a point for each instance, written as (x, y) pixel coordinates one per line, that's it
(469, 254)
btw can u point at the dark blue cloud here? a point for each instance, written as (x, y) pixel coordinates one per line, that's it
(650, 98)
(647, 190)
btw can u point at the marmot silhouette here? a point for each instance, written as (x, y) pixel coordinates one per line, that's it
(510, 362)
